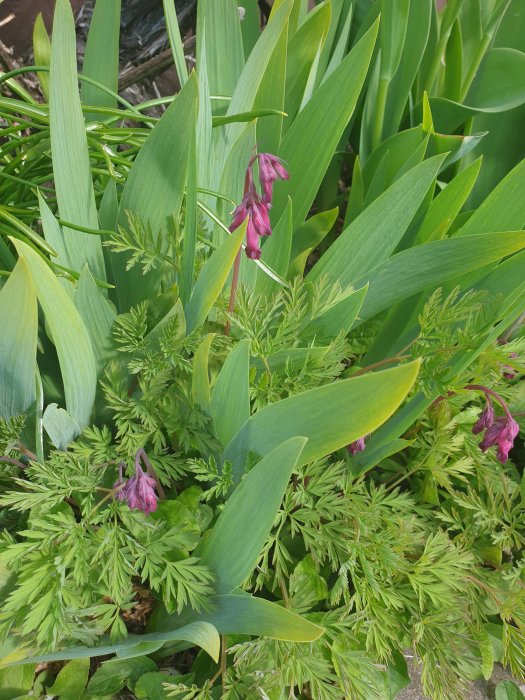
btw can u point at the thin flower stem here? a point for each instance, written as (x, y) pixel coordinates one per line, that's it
(490, 392)
(15, 462)
(233, 291)
(284, 592)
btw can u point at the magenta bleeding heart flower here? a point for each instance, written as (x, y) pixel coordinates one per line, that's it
(501, 431)
(357, 446)
(270, 170)
(486, 419)
(139, 491)
(255, 207)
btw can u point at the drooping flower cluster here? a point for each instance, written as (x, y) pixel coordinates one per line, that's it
(139, 491)
(501, 431)
(255, 206)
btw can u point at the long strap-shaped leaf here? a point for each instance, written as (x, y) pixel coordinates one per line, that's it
(330, 416)
(232, 549)
(71, 339)
(19, 317)
(71, 168)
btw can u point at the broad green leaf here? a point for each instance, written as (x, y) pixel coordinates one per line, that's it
(397, 146)
(113, 675)
(15, 682)
(503, 209)
(224, 48)
(71, 680)
(155, 187)
(212, 279)
(447, 205)
(432, 264)
(417, 36)
(307, 586)
(330, 416)
(250, 26)
(507, 690)
(276, 253)
(310, 143)
(302, 50)
(375, 234)
(339, 50)
(307, 237)
(70, 336)
(53, 233)
(71, 167)
(454, 64)
(204, 125)
(101, 58)
(177, 47)
(200, 633)
(189, 243)
(230, 400)
(338, 319)
(251, 79)
(98, 316)
(498, 84)
(394, 20)
(243, 614)
(235, 543)
(19, 314)
(60, 426)
(42, 52)
(270, 98)
(200, 386)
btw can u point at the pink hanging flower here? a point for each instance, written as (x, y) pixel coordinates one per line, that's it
(358, 445)
(486, 419)
(270, 170)
(139, 491)
(254, 207)
(500, 431)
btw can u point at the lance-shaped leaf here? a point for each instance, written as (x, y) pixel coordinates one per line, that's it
(330, 416)
(101, 59)
(212, 279)
(155, 187)
(70, 336)
(18, 311)
(310, 142)
(230, 401)
(375, 234)
(202, 634)
(238, 613)
(71, 167)
(235, 543)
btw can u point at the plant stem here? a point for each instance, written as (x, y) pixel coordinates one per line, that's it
(490, 392)
(233, 291)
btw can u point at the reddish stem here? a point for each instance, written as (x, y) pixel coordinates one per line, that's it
(233, 291)
(490, 392)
